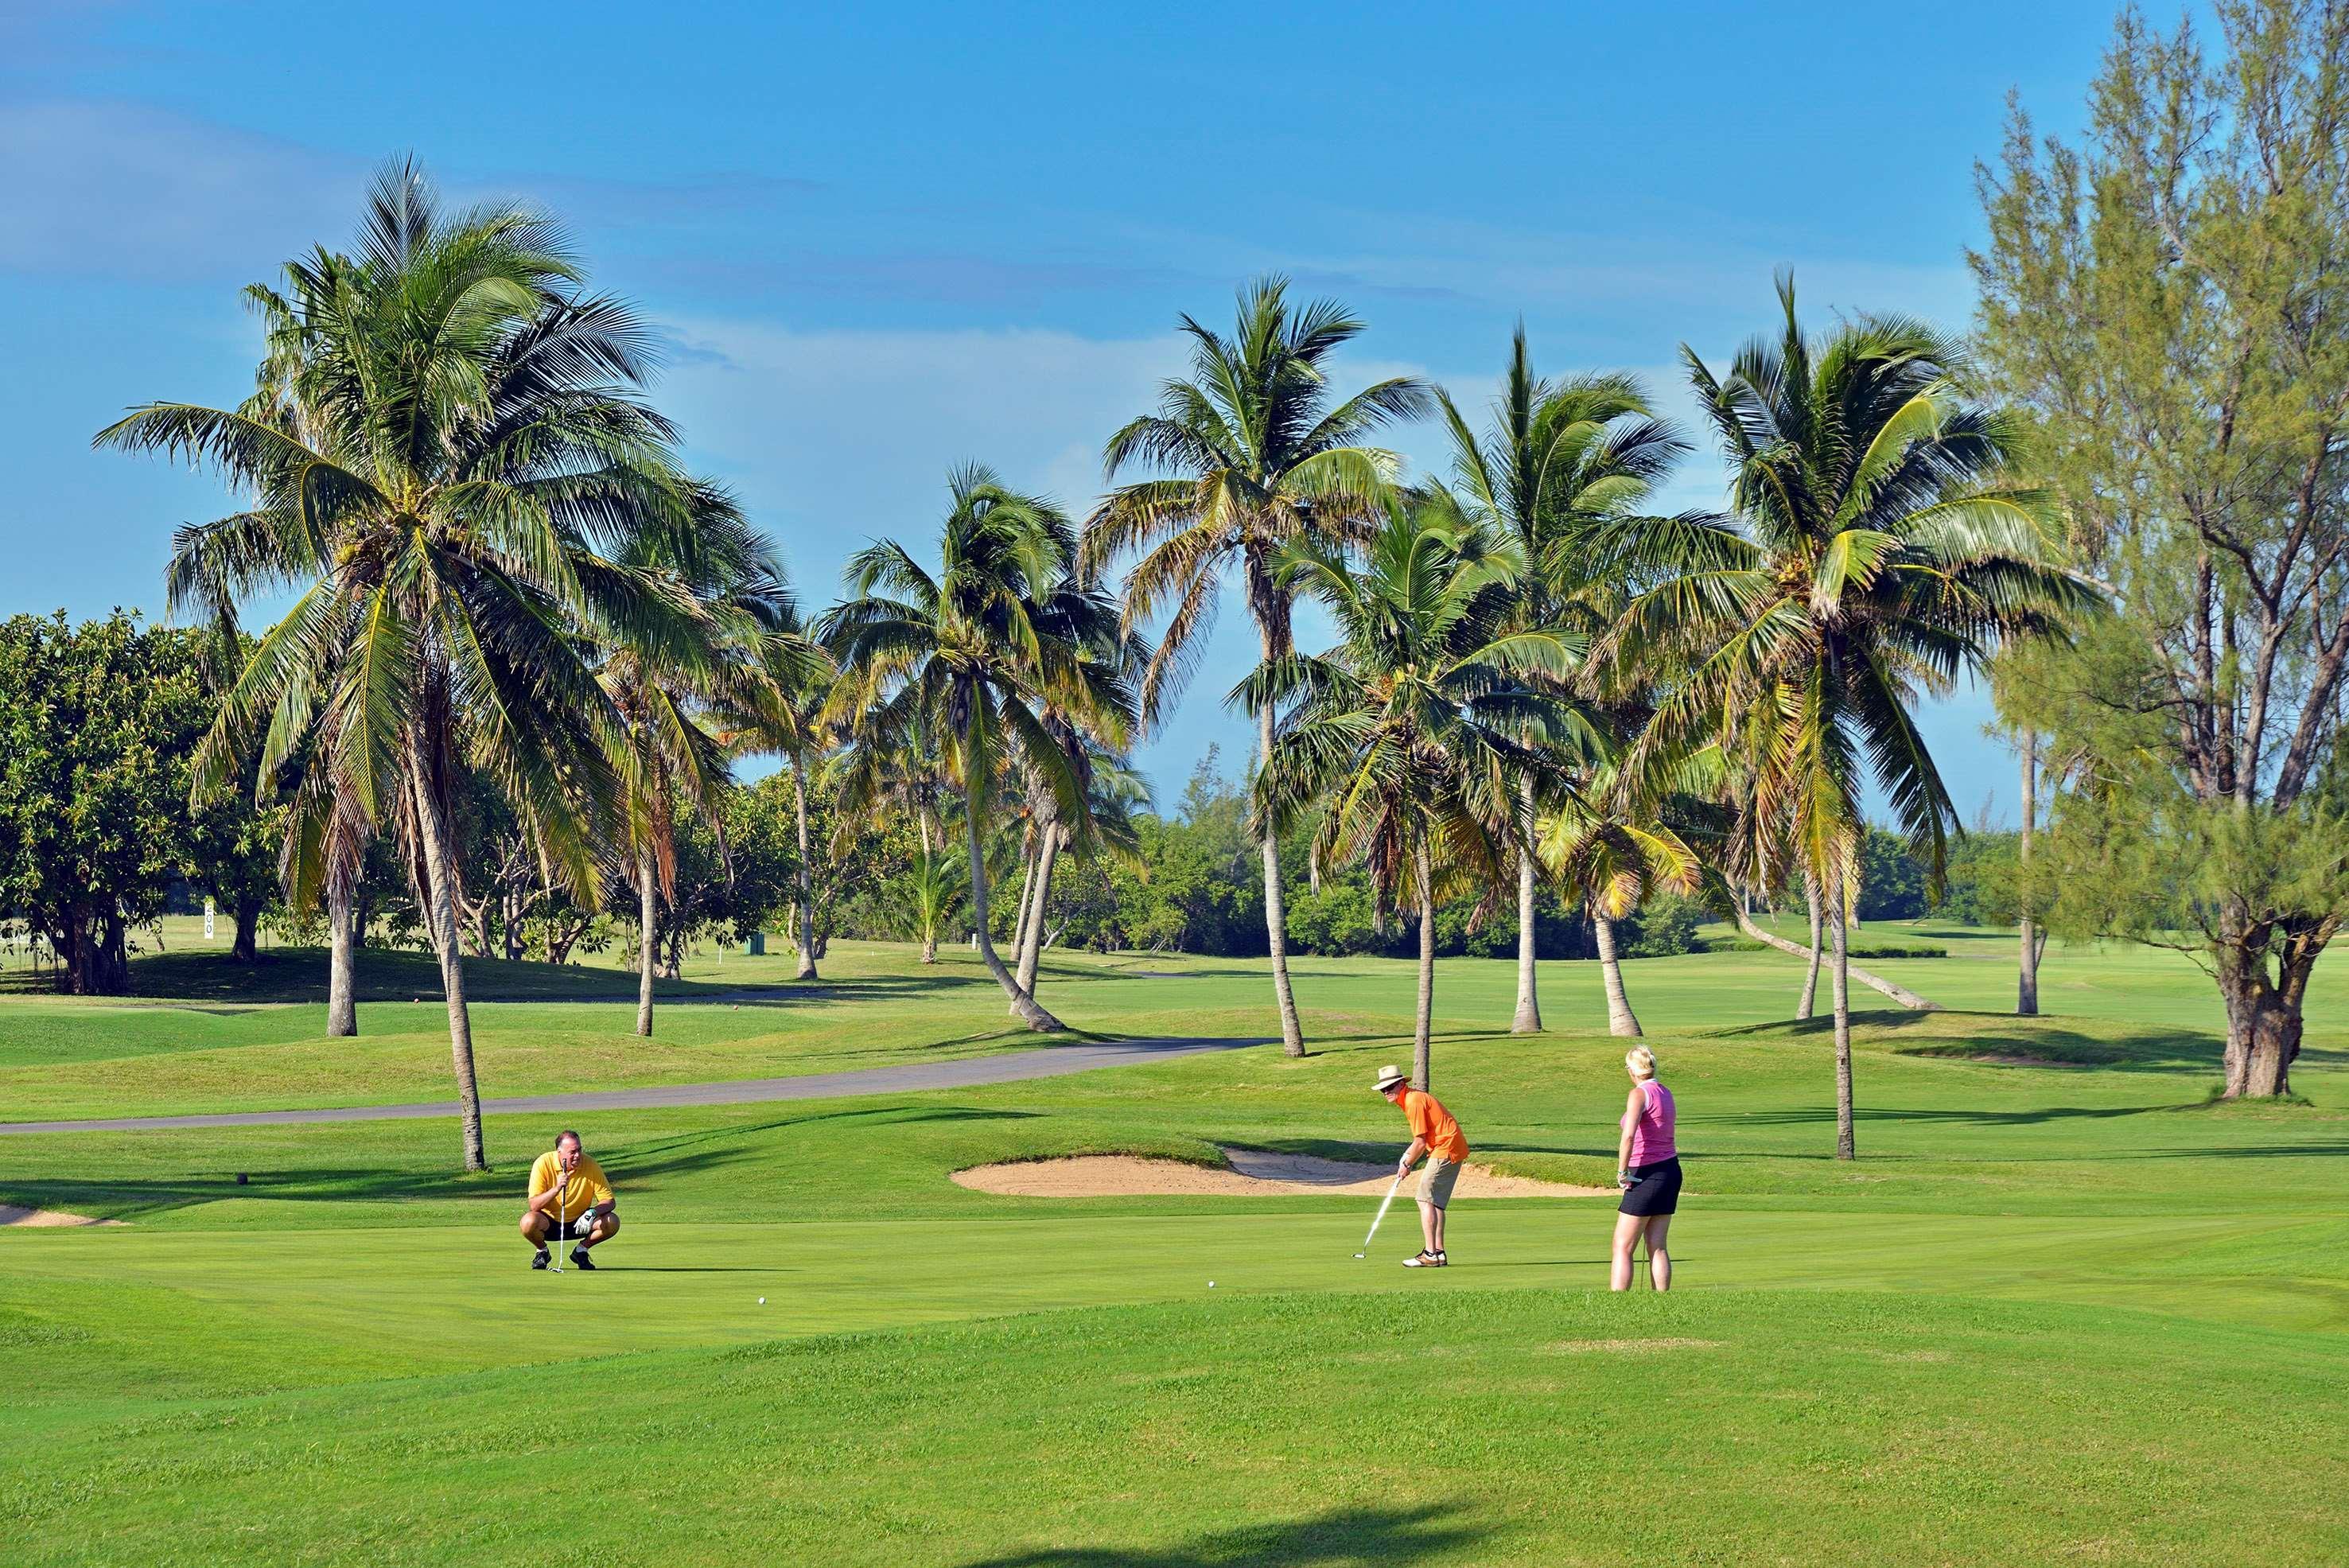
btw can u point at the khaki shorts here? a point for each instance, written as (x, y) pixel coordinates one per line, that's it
(1435, 1180)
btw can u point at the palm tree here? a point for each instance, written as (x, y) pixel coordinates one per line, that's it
(894, 765)
(785, 712)
(1882, 543)
(1256, 459)
(1408, 736)
(979, 652)
(730, 580)
(1613, 852)
(1560, 465)
(932, 887)
(472, 464)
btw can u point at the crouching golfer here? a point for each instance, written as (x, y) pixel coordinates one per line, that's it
(1648, 1170)
(570, 1201)
(1434, 1134)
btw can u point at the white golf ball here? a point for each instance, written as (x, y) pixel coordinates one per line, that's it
(1211, 1285)
(762, 1301)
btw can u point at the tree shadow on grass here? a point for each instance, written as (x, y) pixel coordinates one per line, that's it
(631, 1165)
(1364, 1536)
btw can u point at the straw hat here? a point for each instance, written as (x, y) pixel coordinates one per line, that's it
(1389, 1076)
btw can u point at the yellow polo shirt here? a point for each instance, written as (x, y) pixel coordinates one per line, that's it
(588, 1184)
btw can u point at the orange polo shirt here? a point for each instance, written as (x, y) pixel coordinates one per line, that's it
(1431, 1121)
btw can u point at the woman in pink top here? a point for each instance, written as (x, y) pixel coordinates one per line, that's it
(1647, 1169)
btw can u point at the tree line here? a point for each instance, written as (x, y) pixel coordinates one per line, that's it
(2121, 500)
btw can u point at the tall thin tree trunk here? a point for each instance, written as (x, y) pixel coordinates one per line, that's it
(1900, 994)
(1276, 915)
(1810, 998)
(929, 931)
(1528, 1019)
(807, 883)
(2026, 982)
(1022, 1004)
(1026, 893)
(647, 914)
(440, 872)
(1031, 937)
(1620, 1020)
(1845, 1147)
(1420, 1065)
(342, 995)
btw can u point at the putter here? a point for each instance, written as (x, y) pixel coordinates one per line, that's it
(559, 1220)
(1382, 1214)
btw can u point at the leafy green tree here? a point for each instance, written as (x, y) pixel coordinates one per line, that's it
(974, 654)
(1255, 458)
(466, 466)
(1888, 881)
(1409, 735)
(98, 724)
(1558, 468)
(1882, 541)
(2166, 295)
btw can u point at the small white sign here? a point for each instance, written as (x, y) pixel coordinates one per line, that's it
(208, 920)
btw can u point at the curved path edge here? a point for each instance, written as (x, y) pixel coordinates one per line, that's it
(970, 1072)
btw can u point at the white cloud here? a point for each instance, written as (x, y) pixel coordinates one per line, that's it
(122, 190)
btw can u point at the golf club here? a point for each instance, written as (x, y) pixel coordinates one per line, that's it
(1382, 1214)
(562, 1193)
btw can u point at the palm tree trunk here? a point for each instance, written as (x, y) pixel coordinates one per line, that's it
(807, 895)
(342, 994)
(647, 912)
(1031, 939)
(1846, 1148)
(1900, 994)
(1420, 1053)
(1022, 1004)
(1803, 1008)
(2026, 985)
(1620, 1020)
(1276, 916)
(929, 927)
(441, 873)
(1528, 1018)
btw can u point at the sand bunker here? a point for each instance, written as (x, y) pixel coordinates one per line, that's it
(11, 1214)
(1253, 1173)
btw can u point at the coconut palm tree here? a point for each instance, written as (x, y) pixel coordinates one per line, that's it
(677, 700)
(1253, 456)
(786, 712)
(1561, 468)
(472, 464)
(1882, 543)
(892, 764)
(1612, 851)
(1408, 736)
(979, 652)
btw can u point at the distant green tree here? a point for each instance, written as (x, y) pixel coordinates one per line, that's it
(1889, 880)
(98, 724)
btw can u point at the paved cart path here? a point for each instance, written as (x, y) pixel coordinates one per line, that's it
(1050, 1061)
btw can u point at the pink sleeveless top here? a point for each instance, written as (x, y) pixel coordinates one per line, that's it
(1651, 1135)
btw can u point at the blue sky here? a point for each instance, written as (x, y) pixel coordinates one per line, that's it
(884, 241)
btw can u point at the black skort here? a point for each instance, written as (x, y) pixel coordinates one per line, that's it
(1655, 1190)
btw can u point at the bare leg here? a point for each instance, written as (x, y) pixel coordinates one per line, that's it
(607, 1226)
(1438, 1232)
(1659, 1259)
(1431, 1226)
(1627, 1236)
(534, 1226)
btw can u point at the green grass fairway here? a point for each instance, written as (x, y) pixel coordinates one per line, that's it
(2064, 1309)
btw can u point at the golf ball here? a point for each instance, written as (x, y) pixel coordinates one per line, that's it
(1211, 1285)
(762, 1301)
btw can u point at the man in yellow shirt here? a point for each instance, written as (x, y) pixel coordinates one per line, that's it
(570, 1201)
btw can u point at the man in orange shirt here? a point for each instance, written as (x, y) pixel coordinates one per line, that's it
(1434, 1134)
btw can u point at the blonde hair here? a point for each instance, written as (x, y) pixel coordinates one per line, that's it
(1640, 1061)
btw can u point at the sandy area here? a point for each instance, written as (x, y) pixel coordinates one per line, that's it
(1253, 1173)
(12, 1214)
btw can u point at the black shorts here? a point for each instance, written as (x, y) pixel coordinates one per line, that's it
(1655, 1190)
(579, 1228)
